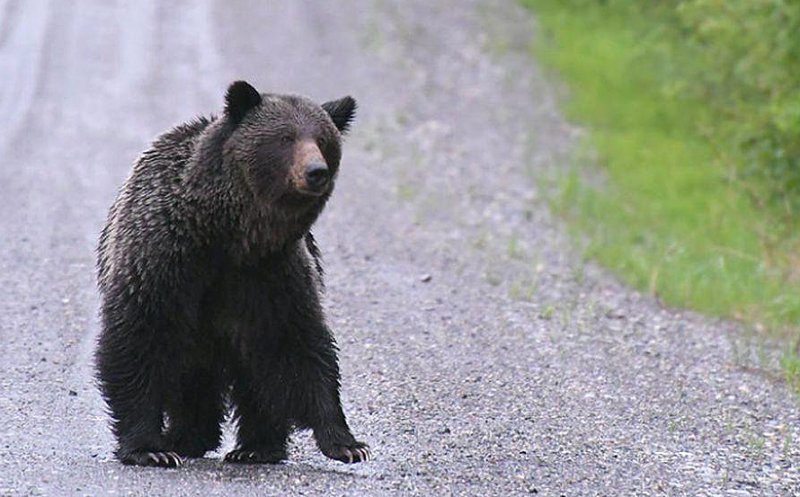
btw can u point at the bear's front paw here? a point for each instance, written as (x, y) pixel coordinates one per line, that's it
(152, 458)
(349, 453)
(242, 456)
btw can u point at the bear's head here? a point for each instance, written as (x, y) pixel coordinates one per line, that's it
(287, 147)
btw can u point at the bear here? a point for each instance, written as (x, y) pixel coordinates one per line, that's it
(211, 282)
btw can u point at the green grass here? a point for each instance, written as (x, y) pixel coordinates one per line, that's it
(670, 217)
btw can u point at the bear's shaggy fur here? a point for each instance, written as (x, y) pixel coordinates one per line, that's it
(211, 281)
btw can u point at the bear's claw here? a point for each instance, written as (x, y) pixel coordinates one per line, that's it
(350, 454)
(153, 458)
(240, 456)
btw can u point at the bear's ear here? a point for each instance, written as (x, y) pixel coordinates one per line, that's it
(240, 98)
(342, 112)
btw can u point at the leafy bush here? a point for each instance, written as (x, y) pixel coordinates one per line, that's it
(750, 52)
(747, 68)
(691, 108)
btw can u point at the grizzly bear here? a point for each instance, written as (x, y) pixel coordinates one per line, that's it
(211, 280)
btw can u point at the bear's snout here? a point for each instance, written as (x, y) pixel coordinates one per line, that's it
(311, 174)
(317, 176)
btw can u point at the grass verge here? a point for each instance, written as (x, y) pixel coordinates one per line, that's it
(670, 216)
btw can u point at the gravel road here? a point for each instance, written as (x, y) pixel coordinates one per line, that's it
(480, 354)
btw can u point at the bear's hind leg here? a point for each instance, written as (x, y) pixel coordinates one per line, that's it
(263, 435)
(195, 414)
(133, 392)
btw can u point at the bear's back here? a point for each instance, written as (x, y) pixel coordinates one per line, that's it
(161, 165)
(146, 211)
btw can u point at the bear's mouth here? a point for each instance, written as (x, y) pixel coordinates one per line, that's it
(313, 192)
(305, 198)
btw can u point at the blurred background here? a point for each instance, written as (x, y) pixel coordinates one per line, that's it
(693, 111)
(535, 198)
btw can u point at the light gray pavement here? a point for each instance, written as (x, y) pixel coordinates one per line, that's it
(515, 369)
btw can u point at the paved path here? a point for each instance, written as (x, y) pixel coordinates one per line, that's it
(480, 355)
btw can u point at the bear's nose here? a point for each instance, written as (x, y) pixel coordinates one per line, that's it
(317, 175)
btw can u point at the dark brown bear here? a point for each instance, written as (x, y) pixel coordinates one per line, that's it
(210, 283)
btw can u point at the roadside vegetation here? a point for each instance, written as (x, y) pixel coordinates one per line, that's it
(692, 113)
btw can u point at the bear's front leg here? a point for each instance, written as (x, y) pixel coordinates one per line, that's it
(336, 441)
(323, 407)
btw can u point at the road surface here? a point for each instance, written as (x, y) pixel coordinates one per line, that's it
(480, 354)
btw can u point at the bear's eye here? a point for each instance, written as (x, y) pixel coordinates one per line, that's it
(322, 141)
(287, 138)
